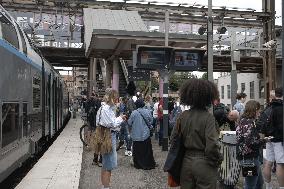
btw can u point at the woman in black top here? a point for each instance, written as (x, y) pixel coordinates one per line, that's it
(249, 143)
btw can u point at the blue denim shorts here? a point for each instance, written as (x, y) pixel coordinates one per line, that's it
(110, 159)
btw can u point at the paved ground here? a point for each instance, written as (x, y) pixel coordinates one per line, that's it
(125, 176)
(59, 167)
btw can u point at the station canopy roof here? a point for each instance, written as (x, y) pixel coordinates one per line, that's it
(115, 33)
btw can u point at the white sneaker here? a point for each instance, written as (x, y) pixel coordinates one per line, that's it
(126, 153)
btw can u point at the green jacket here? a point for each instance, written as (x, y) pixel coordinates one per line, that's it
(200, 135)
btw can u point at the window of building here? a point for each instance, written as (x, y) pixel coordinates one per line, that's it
(9, 32)
(10, 123)
(243, 87)
(222, 92)
(251, 87)
(228, 91)
(36, 92)
(261, 89)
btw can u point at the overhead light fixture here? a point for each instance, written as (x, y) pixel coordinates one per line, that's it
(202, 30)
(221, 30)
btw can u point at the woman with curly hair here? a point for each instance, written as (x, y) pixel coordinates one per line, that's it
(199, 135)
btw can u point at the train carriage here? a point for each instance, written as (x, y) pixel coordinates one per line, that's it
(33, 100)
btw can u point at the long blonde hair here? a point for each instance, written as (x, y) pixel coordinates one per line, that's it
(110, 96)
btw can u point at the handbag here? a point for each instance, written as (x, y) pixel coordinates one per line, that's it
(249, 169)
(151, 128)
(100, 140)
(175, 156)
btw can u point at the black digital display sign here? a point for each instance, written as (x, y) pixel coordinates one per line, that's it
(153, 57)
(186, 59)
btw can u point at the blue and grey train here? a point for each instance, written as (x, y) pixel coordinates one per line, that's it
(33, 99)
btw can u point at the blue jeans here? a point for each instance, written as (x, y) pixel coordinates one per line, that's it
(254, 182)
(155, 122)
(124, 135)
(109, 160)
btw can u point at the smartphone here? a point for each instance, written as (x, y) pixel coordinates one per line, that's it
(268, 138)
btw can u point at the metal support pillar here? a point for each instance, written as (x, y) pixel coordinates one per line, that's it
(161, 84)
(108, 74)
(165, 76)
(269, 58)
(115, 75)
(94, 75)
(210, 41)
(165, 111)
(90, 77)
(234, 81)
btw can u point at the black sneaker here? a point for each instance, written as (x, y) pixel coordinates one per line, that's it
(95, 163)
(119, 145)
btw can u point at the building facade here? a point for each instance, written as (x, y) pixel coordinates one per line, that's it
(249, 83)
(80, 82)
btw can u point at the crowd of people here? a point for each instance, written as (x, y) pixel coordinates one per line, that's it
(133, 120)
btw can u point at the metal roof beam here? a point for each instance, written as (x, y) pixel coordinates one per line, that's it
(184, 14)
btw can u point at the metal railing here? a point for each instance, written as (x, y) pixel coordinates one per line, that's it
(124, 69)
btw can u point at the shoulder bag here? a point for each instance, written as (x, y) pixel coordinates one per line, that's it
(175, 156)
(100, 141)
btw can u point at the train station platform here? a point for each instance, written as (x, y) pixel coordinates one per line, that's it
(59, 167)
(125, 176)
(68, 165)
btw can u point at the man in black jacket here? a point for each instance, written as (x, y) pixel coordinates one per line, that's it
(271, 125)
(92, 107)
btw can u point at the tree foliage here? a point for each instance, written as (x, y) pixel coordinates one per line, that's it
(177, 79)
(154, 83)
(204, 76)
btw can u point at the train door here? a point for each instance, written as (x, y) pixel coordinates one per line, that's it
(61, 106)
(51, 105)
(54, 104)
(57, 103)
(48, 107)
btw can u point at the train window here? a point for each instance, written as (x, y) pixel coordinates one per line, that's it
(10, 123)
(25, 119)
(9, 33)
(36, 92)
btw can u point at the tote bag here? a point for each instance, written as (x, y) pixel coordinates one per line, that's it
(175, 156)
